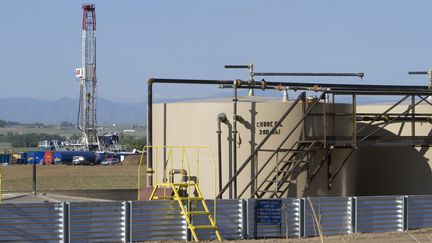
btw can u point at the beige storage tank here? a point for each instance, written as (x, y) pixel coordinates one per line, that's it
(195, 124)
(394, 166)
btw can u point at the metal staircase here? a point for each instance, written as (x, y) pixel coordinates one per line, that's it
(289, 162)
(181, 193)
(284, 173)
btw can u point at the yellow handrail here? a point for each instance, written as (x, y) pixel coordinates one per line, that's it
(169, 158)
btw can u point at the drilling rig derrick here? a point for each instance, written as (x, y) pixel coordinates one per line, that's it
(87, 122)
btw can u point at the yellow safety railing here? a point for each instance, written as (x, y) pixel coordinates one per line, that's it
(176, 157)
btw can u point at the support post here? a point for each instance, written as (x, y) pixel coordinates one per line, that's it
(34, 182)
(413, 116)
(354, 131)
(66, 222)
(234, 143)
(149, 133)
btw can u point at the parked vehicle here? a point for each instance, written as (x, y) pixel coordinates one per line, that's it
(110, 161)
(84, 160)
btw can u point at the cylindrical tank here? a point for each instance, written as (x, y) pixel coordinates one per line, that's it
(194, 124)
(100, 156)
(39, 157)
(31, 157)
(67, 156)
(21, 158)
(48, 157)
(4, 158)
(58, 158)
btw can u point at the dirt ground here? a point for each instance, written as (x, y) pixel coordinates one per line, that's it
(16, 178)
(420, 235)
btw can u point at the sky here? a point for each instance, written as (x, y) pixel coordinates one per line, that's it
(40, 44)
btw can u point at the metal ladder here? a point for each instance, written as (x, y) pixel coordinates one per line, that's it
(179, 190)
(284, 173)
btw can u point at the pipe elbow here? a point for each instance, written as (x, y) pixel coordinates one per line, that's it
(150, 81)
(221, 117)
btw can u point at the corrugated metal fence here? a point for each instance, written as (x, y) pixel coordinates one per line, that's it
(236, 219)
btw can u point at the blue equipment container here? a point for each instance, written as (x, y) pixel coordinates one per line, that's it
(39, 157)
(4, 158)
(31, 157)
(58, 158)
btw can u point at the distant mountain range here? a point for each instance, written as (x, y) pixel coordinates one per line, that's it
(27, 110)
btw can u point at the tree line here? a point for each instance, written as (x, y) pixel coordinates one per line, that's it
(28, 140)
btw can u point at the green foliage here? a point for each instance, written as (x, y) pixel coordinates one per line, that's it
(29, 140)
(74, 137)
(66, 124)
(132, 142)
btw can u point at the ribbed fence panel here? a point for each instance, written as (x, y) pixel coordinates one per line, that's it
(419, 211)
(328, 215)
(380, 214)
(290, 222)
(229, 219)
(157, 220)
(31, 222)
(97, 221)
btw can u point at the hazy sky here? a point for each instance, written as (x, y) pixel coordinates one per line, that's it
(41, 43)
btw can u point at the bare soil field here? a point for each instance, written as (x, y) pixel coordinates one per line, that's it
(17, 178)
(420, 235)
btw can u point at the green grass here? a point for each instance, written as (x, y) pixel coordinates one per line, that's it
(17, 178)
(51, 131)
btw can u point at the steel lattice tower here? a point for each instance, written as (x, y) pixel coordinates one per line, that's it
(87, 121)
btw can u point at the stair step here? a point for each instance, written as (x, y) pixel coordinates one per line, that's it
(275, 181)
(294, 161)
(198, 227)
(183, 184)
(284, 150)
(198, 213)
(163, 197)
(268, 191)
(192, 198)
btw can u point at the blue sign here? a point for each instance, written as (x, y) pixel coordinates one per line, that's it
(269, 211)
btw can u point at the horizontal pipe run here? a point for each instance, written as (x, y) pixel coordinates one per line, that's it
(236, 66)
(381, 92)
(189, 81)
(360, 75)
(332, 88)
(418, 72)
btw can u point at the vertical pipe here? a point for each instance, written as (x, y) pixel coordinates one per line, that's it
(329, 169)
(413, 116)
(149, 133)
(251, 80)
(34, 187)
(234, 143)
(334, 117)
(304, 121)
(165, 161)
(325, 121)
(354, 111)
(219, 137)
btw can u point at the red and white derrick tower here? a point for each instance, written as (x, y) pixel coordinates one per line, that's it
(87, 122)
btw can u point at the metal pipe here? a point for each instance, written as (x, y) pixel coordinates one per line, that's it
(259, 146)
(363, 90)
(149, 133)
(174, 172)
(302, 120)
(360, 75)
(220, 118)
(34, 186)
(251, 80)
(293, 85)
(234, 143)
